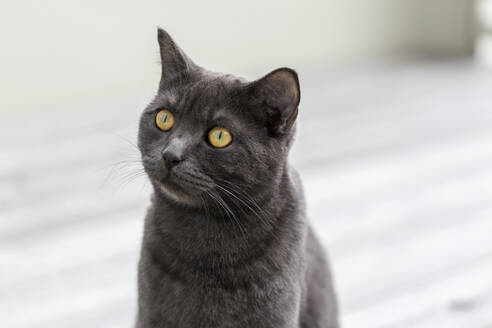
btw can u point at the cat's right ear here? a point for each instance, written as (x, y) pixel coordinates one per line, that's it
(279, 94)
(173, 60)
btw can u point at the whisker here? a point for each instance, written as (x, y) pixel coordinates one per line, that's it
(229, 213)
(122, 138)
(247, 201)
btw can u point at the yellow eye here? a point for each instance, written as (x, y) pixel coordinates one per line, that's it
(219, 137)
(164, 120)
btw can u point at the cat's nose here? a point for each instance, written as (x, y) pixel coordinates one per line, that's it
(170, 158)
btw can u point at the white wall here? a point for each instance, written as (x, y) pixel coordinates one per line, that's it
(445, 26)
(58, 50)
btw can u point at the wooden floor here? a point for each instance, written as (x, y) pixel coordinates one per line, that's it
(397, 166)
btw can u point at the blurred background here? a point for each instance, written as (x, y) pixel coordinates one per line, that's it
(394, 147)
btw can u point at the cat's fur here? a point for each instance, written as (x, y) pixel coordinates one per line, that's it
(226, 241)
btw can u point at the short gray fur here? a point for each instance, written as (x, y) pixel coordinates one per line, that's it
(226, 240)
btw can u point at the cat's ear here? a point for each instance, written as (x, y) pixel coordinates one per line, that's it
(280, 94)
(173, 60)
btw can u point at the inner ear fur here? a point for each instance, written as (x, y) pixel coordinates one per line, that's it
(279, 92)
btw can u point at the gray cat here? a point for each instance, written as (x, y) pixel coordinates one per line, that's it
(226, 240)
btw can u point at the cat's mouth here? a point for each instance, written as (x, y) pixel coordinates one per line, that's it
(184, 187)
(183, 183)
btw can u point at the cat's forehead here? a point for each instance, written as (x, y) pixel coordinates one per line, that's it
(208, 95)
(212, 88)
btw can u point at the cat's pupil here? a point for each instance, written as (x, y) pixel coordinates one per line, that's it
(164, 118)
(220, 135)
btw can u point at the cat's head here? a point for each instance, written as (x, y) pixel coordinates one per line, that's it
(208, 135)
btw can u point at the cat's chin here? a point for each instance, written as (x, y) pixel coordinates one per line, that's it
(177, 196)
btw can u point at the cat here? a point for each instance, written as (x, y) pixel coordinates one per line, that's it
(226, 240)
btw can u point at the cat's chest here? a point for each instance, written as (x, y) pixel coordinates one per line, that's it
(209, 303)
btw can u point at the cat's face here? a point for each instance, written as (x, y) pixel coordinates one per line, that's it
(207, 136)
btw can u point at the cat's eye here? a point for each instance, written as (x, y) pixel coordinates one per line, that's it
(164, 120)
(219, 137)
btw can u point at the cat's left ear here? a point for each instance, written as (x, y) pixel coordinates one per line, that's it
(280, 94)
(173, 60)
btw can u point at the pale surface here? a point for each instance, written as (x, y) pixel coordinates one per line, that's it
(397, 167)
